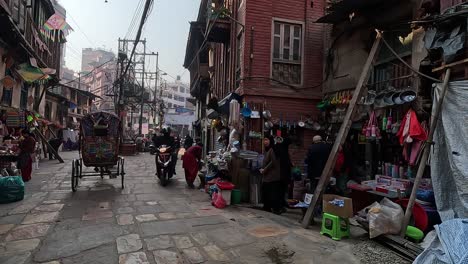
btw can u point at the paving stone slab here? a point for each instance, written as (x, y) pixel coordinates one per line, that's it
(182, 242)
(97, 214)
(125, 219)
(171, 227)
(51, 201)
(66, 243)
(200, 238)
(146, 218)
(16, 247)
(215, 253)
(15, 258)
(49, 208)
(12, 219)
(167, 216)
(27, 231)
(125, 210)
(106, 254)
(262, 231)
(167, 257)
(40, 218)
(193, 255)
(129, 243)
(134, 258)
(159, 242)
(4, 228)
(230, 237)
(149, 209)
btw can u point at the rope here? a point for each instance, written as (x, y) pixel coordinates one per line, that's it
(406, 64)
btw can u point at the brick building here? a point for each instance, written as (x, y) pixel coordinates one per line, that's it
(269, 52)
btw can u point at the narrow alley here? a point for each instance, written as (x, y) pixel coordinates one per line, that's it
(147, 223)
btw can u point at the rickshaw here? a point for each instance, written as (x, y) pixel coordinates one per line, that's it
(99, 139)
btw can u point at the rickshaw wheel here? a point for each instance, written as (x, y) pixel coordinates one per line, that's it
(74, 176)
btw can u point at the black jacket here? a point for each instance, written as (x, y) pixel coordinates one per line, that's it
(316, 159)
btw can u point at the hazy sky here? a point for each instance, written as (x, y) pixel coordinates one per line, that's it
(100, 24)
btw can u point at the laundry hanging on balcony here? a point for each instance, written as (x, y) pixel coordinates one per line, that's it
(54, 25)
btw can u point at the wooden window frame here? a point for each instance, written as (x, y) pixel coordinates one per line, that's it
(300, 62)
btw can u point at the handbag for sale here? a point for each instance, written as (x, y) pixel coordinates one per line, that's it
(371, 128)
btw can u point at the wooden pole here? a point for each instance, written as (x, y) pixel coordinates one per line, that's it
(343, 132)
(48, 145)
(426, 151)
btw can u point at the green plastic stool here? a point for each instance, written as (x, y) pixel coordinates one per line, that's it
(334, 226)
(414, 233)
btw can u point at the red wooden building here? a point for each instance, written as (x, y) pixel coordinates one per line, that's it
(269, 52)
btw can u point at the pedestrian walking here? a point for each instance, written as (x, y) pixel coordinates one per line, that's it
(271, 184)
(27, 147)
(190, 163)
(316, 159)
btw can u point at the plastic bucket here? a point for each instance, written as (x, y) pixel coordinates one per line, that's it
(236, 196)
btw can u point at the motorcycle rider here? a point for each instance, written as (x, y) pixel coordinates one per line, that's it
(166, 139)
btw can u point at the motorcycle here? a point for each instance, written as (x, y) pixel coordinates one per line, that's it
(164, 167)
(152, 149)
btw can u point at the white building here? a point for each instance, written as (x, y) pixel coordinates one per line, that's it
(180, 112)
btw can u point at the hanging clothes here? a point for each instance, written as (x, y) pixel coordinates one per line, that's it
(412, 135)
(411, 129)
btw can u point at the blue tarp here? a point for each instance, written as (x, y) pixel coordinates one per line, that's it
(450, 245)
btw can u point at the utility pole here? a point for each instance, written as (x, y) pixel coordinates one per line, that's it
(142, 99)
(155, 88)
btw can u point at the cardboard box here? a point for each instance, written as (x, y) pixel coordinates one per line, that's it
(346, 211)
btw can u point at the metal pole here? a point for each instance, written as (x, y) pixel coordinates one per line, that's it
(342, 133)
(425, 155)
(155, 89)
(142, 98)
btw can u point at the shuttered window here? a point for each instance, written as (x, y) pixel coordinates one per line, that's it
(287, 52)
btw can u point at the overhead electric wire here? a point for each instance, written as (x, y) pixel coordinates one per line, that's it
(85, 75)
(134, 19)
(79, 28)
(138, 36)
(406, 64)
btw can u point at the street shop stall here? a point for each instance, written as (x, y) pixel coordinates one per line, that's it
(237, 132)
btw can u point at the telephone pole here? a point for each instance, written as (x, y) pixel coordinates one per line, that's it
(142, 98)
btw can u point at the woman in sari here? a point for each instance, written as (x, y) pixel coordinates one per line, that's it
(27, 147)
(190, 163)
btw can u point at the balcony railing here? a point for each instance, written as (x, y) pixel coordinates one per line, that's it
(46, 50)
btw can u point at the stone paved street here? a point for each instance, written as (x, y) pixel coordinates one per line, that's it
(146, 223)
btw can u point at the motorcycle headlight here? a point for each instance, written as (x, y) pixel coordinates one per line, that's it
(163, 150)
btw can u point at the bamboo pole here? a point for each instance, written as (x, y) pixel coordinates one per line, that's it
(343, 132)
(426, 151)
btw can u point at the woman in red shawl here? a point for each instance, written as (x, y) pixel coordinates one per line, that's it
(27, 147)
(190, 163)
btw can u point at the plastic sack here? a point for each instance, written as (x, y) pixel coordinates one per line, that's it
(11, 189)
(385, 217)
(218, 201)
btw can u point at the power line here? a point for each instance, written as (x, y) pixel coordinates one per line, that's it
(138, 36)
(95, 68)
(79, 28)
(134, 19)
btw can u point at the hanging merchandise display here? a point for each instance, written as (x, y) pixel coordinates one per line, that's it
(371, 128)
(234, 113)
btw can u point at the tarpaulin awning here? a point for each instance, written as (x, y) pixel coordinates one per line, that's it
(30, 72)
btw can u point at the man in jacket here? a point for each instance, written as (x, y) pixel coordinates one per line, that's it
(316, 159)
